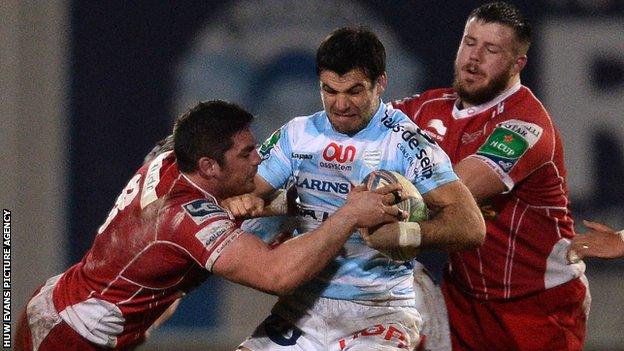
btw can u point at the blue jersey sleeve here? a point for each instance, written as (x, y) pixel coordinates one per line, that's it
(424, 162)
(276, 167)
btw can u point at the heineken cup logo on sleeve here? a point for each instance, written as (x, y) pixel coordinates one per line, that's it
(509, 141)
(269, 144)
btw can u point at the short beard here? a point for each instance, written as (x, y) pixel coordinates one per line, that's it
(482, 95)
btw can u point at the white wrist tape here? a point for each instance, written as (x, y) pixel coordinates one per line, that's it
(621, 234)
(409, 234)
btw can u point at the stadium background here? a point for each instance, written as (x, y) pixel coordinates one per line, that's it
(87, 87)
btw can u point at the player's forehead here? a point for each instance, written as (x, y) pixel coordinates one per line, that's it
(340, 82)
(489, 32)
(243, 141)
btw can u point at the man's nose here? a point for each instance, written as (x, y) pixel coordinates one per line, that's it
(475, 53)
(255, 159)
(342, 102)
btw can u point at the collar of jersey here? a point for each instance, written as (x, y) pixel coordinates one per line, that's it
(475, 110)
(206, 194)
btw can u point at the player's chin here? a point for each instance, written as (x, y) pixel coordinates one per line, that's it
(473, 89)
(471, 85)
(347, 128)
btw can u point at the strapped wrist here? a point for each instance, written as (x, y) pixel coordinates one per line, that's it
(409, 234)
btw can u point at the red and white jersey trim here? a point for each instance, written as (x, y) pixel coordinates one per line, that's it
(475, 110)
(96, 320)
(41, 314)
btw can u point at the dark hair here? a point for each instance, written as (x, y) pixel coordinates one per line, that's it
(163, 145)
(350, 48)
(507, 14)
(206, 130)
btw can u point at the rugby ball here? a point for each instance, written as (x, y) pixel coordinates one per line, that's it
(411, 200)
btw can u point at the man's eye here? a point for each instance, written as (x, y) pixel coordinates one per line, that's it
(329, 90)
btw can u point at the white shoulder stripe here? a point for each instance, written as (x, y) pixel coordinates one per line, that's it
(152, 178)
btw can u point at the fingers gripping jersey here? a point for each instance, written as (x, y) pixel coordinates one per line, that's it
(325, 164)
(160, 240)
(529, 226)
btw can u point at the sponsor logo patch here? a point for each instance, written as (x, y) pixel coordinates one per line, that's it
(214, 231)
(323, 185)
(339, 153)
(301, 156)
(509, 141)
(215, 252)
(269, 144)
(413, 145)
(531, 132)
(338, 157)
(201, 210)
(438, 128)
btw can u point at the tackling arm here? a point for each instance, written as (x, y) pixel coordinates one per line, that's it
(263, 201)
(250, 262)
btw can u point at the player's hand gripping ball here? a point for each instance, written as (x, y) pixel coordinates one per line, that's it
(408, 199)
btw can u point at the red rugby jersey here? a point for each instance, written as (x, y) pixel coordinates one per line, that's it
(529, 226)
(160, 240)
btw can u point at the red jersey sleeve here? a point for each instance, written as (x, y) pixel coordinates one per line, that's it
(204, 230)
(413, 105)
(409, 105)
(515, 148)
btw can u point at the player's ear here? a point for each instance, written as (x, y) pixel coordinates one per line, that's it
(208, 166)
(519, 64)
(382, 83)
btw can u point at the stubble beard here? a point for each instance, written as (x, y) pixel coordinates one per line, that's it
(484, 94)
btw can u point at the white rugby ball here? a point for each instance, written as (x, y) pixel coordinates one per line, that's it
(411, 200)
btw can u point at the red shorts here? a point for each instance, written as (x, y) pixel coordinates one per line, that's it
(61, 338)
(553, 319)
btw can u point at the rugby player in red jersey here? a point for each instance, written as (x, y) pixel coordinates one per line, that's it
(517, 291)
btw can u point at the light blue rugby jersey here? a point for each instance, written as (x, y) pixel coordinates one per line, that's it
(325, 163)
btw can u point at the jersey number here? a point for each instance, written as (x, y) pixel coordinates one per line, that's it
(125, 198)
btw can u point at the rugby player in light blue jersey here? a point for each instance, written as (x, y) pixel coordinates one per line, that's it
(362, 300)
